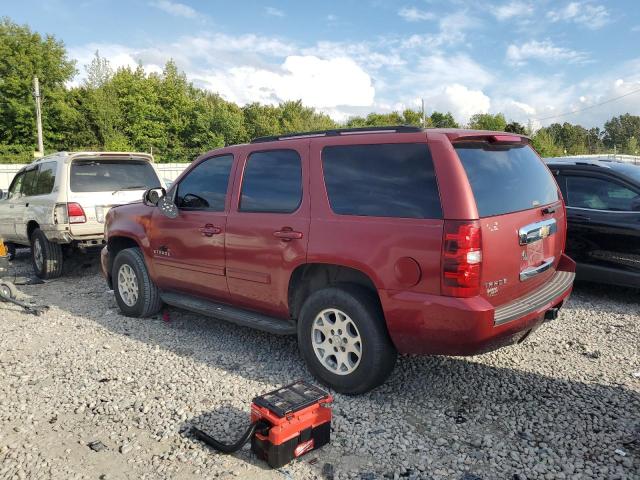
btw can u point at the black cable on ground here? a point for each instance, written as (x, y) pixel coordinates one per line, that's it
(225, 447)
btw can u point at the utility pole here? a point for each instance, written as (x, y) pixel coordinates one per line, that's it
(36, 94)
(424, 120)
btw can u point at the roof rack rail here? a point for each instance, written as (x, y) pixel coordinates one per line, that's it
(339, 131)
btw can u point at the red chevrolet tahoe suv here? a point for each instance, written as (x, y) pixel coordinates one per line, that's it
(363, 242)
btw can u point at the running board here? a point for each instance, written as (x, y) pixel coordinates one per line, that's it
(244, 318)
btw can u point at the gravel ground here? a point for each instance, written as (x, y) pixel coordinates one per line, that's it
(565, 404)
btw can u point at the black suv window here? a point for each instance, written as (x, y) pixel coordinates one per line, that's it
(506, 178)
(46, 178)
(388, 180)
(600, 194)
(205, 187)
(16, 185)
(29, 182)
(272, 182)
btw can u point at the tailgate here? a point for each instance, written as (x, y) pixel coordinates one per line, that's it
(522, 218)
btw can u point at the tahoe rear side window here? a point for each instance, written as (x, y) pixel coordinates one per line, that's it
(506, 178)
(387, 180)
(94, 175)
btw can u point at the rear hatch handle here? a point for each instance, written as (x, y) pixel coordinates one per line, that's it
(531, 272)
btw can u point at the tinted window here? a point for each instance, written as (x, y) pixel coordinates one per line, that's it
(205, 187)
(46, 178)
(16, 185)
(390, 180)
(110, 175)
(29, 182)
(272, 182)
(506, 179)
(600, 194)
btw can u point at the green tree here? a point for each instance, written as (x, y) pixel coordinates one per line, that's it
(620, 129)
(412, 117)
(544, 143)
(631, 147)
(443, 120)
(487, 121)
(23, 55)
(295, 117)
(515, 127)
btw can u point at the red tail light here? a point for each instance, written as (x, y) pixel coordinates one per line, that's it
(461, 258)
(76, 213)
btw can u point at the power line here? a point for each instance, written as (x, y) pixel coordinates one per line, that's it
(589, 107)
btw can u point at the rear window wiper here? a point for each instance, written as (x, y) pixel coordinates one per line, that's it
(132, 187)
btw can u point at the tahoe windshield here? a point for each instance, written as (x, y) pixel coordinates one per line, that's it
(506, 178)
(110, 175)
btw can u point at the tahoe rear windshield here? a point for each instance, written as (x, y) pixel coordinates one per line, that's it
(110, 175)
(506, 178)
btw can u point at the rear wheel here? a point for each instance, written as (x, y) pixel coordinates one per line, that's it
(46, 256)
(343, 338)
(136, 294)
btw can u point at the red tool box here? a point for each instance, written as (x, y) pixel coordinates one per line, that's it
(285, 424)
(300, 422)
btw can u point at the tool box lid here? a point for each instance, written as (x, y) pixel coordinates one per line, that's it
(291, 398)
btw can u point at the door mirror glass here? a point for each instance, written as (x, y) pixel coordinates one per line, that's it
(152, 196)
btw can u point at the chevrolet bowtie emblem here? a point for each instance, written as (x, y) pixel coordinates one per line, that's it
(544, 231)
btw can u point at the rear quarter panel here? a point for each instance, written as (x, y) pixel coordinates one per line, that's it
(373, 245)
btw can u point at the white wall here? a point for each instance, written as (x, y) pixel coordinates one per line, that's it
(169, 171)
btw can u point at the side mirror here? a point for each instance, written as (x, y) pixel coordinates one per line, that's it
(152, 196)
(157, 197)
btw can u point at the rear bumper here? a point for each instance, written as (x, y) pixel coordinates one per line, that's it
(437, 325)
(90, 236)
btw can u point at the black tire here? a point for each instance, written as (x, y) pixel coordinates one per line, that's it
(11, 251)
(378, 355)
(148, 301)
(8, 289)
(50, 265)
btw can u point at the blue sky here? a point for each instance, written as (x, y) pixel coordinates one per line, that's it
(528, 59)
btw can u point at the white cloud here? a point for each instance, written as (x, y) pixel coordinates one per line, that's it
(412, 14)
(461, 101)
(437, 70)
(451, 31)
(274, 12)
(512, 9)
(544, 51)
(175, 8)
(590, 15)
(319, 83)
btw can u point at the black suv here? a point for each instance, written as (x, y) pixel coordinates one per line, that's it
(603, 215)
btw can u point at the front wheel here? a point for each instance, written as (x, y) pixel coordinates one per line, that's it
(343, 338)
(8, 290)
(46, 256)
(136, 294)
